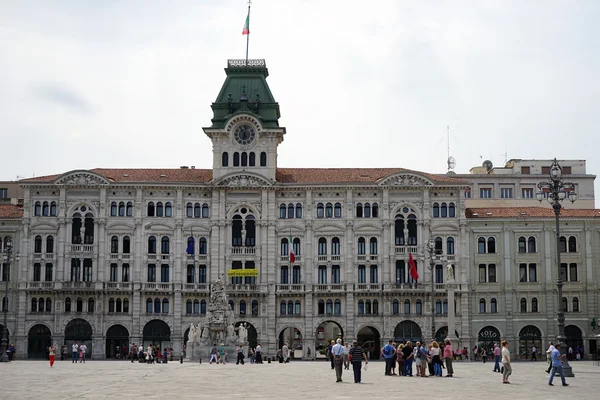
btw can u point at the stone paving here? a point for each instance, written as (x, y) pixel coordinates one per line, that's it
(296, 380)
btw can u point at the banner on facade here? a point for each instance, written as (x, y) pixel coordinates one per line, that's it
(234, 273)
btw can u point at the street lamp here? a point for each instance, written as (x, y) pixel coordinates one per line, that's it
(557, 190)
(4, 340)
(433, 257)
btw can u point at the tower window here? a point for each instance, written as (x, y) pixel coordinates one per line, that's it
(236, 159)
(225, 159)
(263, 159)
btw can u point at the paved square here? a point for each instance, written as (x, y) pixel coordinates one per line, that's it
(297, 380)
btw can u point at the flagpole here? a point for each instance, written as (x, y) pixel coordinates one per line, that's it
(248, 35)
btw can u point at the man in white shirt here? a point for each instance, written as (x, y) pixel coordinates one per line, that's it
(75, 350)
(549, 356)
(337, 352)
(82, 350)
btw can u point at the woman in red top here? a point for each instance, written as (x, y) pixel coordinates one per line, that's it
(448, 353)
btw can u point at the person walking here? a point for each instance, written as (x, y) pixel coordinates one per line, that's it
(285, 353)
(533, 354)
(506, 362)
(448, 354)
(330, 354)
(52, 354)
(347, 356)
(82, 351)
(75, 351)
(388, 352)
(222, 354)
(337, 352)
(240, 355)
(557, 366)
(549, 357)
(258, 353)
(356, 356)
(497, 358)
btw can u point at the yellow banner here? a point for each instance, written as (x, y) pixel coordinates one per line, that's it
(233, 273)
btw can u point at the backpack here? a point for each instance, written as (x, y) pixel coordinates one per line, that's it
(387, 350)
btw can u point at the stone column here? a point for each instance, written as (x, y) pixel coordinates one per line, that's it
(451, 313)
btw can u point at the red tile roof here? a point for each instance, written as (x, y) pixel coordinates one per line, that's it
(529, 212)
(284, 175)
(10, 211)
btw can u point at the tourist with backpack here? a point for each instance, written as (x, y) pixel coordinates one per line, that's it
(388, 351)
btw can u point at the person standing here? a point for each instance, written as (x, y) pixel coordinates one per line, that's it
(63, 352)
(448, 354)
(213, 354)
(388, 352)
(330, 354)
(75, 351)
(52, 354)
(258, 353)
(347, 356)
(285, 351)
(497, 357)
(240, 355)
(408, 355)
(549, 357)
(533, 354)
(337, 352)
(82, 351)
(506, 362)
(557, 366)
(222, 354)
(356, 355)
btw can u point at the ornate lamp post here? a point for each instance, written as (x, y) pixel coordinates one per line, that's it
(433, 254)
(4, 340)
(557, 191)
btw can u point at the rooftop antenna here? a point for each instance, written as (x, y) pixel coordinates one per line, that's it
(451, 160)
(505, 153)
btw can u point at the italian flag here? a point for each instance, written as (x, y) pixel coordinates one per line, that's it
(246, 30)
(292, 255)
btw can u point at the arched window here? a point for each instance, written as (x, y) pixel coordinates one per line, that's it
(361, 307)
(335, 246)
(359, 210)
(152, 245)
(481, 245)
(34, 304)
(114, 245)
(297, 247)
(419, 307)
(282, 211)
(367, 210)
(450, 246)
(243, 307)
(125, 306)
(113, 209)
(45, 209)
(285, 250)
(444, 210)
(40, 304)
(119, 306)
(254, 307)
(148, 305)
(575, 304)
(205, 213)
(129, 209)
(572, 244)
(329, 307)
(68, 304)
(244, 159)
(297, 307)
(491, 245)
(165, 306)
(188, 306)
(37, 209)
(79, 304)
(252, 159)
(48, 305)
(282, 308)
(320, 210)
(412, 230)
(157, 306)
(298, 210)
(290, 306)
(534, 305)
(482, 307)
(150, 209)
(121, 209)
(159, 209)
(164, 245)
(406, 306)
(90, 305)
(367, 306)
(111, 305)
(531, 247)
(53, 212)
(395, 307)
(494, 306)
(189, 210)
(337, 307)
(126, 245)
(562, 244)
(373, 246)
(196, 309)
(232, 305)
(375, 307)
(438, 307)
(328, 210)
(322, 246)
(225, 159)
(203, 307)
(290, 211)
(445, 307)
(375, 210)
(236, 159)
(203, 246)
(439, 244)
(436, 210)
(451, 210)
(50, 244)
(523, 305)
(362, 248)
(37, 244)
(399, 230)
(522, 245)
(565, 304)
(263, 159)
(337, 210)
(168, 209)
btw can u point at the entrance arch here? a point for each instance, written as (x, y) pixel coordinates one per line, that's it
(369, 339)
(252, 334)
(407, 330)
(326, 332)
(529, 337)
(487, 337)
(293, 337)
(80, 330)
(574, 336)
(157, 333)
(117, 340)
(38, 340)
(442, 334)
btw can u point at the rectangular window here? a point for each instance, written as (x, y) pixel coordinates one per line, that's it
(191, 274)
(439, 274)
(400, 272)
(49, 270)
(563, 272)
(485, 193)
(522, 272)
(151, 273)
(3, 193)
(506, 193)
(202, 274)
(468, 194)
(532, 273)
(236, 280)
(566, 170)
(125, 273)
(526, 170)
(527, 193)
(373, 273)
(573, 272)
(335, 274)
(114, 272)
(37, 272)
(492, 273)
(362, 274)
(322, 274)
(296, 275)
(87, 270)
(284, 276)
(482, 273)
(75, 270)
(250, 280)
(545, 170)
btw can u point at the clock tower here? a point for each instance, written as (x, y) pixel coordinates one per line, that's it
(245, 129)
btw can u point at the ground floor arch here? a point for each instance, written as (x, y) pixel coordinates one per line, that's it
(39, 339)
(81, 331)
(293, 337)
(530, 336)
(574, 336)
(252, 333)
(117, 342)
(407, 330)
(157, 333)
(487, 337)
(442, 333)
(326, 332)
(369, 339)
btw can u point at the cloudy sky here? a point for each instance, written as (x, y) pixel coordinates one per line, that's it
(109, 83)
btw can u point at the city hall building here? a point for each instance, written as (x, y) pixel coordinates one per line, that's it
(120, 256)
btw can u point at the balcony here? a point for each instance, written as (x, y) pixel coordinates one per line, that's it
(287, 258)
(117, 285)
(334, 287)
(290, 288)
(405, 287)
(197, 257)
(243, 288)
(196, 287)
(336, 257)
(77, 285)
(368, 287)
(40, 285)
(239, 250)
(157, 286)
(322, 258)
(37, 256)
(82, 248)
(400, 250)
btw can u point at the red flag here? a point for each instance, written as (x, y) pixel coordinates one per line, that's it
(413, 268)
(292, 255)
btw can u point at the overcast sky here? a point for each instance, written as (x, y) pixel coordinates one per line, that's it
(87, 84)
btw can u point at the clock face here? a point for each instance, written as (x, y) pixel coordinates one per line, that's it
(244, 134)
